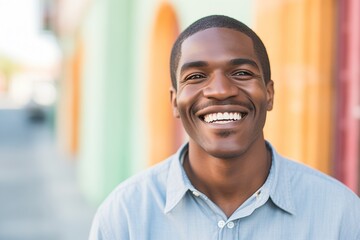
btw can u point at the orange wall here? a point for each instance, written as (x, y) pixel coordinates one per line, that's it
(68, 106)
(299, 36)
(77, 62)
(163, 134)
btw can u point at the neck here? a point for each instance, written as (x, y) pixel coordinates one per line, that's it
(228, 182)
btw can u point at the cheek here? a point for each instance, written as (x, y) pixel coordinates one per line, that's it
(256, 93)
(187, 97)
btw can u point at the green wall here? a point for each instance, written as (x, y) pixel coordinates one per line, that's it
(106, 105)
(113, 128)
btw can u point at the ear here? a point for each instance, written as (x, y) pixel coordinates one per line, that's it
(270, 95)
(173, 100)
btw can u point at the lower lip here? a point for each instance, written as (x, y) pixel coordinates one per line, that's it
(225, 124)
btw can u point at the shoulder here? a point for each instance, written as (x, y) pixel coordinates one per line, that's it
(318, 191)
(152, 179)
(324, 199)
(131, 201)
(303, 176)
(131, 193)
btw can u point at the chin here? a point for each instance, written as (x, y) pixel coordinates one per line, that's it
(228, 152)
(225, 155)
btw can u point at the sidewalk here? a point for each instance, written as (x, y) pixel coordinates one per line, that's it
(39, 197)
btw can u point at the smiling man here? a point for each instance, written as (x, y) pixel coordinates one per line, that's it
(227, 182)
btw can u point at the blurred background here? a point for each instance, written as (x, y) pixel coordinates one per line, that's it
(84, 97)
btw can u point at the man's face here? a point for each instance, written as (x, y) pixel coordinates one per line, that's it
(221, 96)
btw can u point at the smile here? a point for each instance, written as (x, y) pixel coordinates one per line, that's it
(223, 117)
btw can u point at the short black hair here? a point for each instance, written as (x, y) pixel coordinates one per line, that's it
(219, 21)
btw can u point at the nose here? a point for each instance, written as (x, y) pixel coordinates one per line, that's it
(220, 87)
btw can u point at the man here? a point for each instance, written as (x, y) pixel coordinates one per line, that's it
(227, 182)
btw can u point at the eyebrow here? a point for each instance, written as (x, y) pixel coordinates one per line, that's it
(193, 64)
(235, 62)
(242, 61)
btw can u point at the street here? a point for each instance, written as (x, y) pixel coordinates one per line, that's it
(39, 196)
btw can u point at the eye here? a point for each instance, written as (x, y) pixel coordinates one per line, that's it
(195, 76)
(243, 74)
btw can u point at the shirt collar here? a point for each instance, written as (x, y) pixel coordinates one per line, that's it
(280, 190)
(177, 183)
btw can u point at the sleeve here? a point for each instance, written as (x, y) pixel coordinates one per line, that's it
(110, 221)
(97, 231)
(351, 221)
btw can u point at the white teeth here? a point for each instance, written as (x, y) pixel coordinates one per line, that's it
(222, 117)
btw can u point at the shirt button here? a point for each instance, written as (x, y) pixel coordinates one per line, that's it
(230, 224)
(258, 195)
(196, 193)
(221, 224)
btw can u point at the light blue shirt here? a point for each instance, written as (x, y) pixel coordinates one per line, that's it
(296, 202)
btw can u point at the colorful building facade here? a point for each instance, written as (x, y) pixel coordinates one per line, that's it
(115, 114)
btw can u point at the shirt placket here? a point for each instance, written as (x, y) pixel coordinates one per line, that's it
(228, 229)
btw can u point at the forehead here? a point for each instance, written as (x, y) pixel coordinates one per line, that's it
(217, 44)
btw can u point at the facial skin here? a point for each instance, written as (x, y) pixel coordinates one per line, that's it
(219, 72)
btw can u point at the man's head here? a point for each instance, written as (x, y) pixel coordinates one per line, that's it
(219, 21)
(222, 88)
